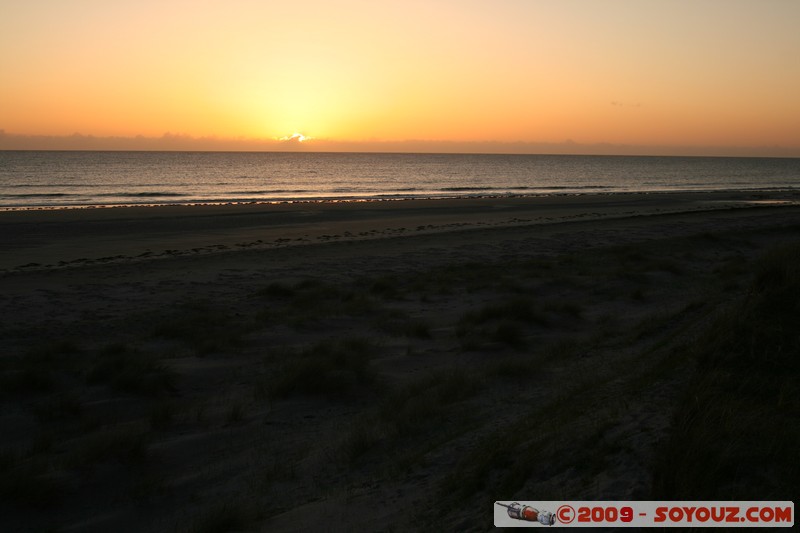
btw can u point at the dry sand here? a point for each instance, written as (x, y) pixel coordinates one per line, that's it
(353, 366)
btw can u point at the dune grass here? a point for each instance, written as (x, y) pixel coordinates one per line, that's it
(405, 413)
(303, 304)
(735, 433)
(130, 370)
(35, 486)
(57, 385)
(203, 327)
(336, 368)
(41, 369)
(505, 322)
(224, 517)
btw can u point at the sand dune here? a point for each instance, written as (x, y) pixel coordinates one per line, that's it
(345, 366)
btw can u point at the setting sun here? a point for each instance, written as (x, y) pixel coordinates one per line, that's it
(295, 137)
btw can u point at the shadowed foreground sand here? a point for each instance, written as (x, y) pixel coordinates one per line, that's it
(367, 366)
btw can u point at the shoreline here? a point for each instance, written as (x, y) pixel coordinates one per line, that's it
(43, 239)
(594, 191)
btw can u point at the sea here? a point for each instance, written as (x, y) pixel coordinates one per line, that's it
(71, 179)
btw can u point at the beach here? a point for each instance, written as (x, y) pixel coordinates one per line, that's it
(367, 365)
(45, 238)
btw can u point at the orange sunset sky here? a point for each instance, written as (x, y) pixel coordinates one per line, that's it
(643, 76)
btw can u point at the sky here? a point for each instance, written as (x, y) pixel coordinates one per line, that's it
(558, 76)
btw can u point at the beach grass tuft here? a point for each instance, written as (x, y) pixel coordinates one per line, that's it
(409, 411)
(335, 368)
(506, 323)
(130, 370)
(33, 486)
(223, 518)
(128, 444)
(203, 327)
(41, 369)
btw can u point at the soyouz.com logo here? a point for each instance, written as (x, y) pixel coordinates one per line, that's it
(644, 514)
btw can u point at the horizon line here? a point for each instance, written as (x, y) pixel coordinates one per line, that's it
(170, 142)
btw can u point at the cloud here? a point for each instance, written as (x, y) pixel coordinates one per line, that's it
(182, 142)
(166, 142)
(295, 138)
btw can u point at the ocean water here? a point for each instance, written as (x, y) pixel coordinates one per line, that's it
(74, 179)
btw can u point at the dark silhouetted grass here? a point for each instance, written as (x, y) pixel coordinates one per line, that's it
(277, 290)
(504, 323)
(234, 516)
(307, 302)
(127, 444)
(735, 433)
(408, 412)
(33, 486)
(204, 328)
(129, 370)
(42, 369)
(334, 368)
